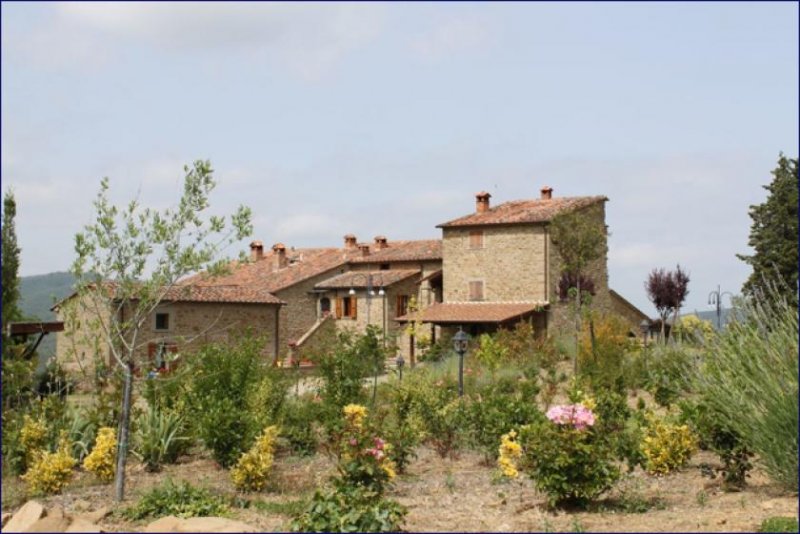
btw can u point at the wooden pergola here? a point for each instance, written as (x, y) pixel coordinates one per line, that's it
(33, 328)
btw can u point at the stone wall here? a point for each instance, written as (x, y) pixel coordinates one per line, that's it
(77, 347)
(511, 263)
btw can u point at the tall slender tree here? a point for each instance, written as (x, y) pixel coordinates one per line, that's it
(773, 235)
(10, 270)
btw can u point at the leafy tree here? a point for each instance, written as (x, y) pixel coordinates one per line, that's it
(773, 234)
(17, 372)
(130, 257)
(579, 241)
(667, 290)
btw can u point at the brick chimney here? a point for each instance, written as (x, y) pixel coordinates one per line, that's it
(381, 242)
(482, 202)
(364, 248)
(350, 242)
(279, 256)
(547, 193)
(256, 251)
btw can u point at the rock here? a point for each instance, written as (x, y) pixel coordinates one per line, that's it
(25, 517)
(198, 524)
(97, 515)
(81, 505)
(50, 524)
(6, 517)
(82, 525)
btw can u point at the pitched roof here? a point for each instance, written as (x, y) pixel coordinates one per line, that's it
(417, 250)
(220, 294)
(524, 211)
(358, 279)
(625, 302)
(261, 275)
(472, 312)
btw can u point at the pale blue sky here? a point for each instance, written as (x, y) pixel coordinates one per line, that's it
(387, 118)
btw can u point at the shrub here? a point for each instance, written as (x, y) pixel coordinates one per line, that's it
(509, 454)
(402, 426)
(50, 472)
(779, 524)
(668, 372)
(604, 342)
(350, 509)
(82, 434)
(33, 437)
(567, 458)
(160, 437)
(252, 470)
(181, 500)
(230, 393)
(666, 446)
(363, 457)
(343, 369)
(750, 377)
(101, 460)
(298, 425)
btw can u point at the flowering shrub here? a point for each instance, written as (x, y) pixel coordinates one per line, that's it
(666, 446)
(50, 472)
(251, 471)
(33, 437)
(510, 453)
(567, 459)
(576, 415)
(363, 457)
(101, 460)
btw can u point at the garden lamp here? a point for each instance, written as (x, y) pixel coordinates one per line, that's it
(460, 342)
(400, 363)
(644, 326)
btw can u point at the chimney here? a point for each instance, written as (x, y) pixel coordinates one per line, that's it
(381, 242)
(350, 242)
(482, 202)
(364, 248)
(547, 193)
(256, 251)
(280, 261)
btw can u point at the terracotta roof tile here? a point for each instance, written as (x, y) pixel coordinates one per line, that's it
(358, 279)
(418, 250)
(524, 211)
(220, 294)
(472, 312)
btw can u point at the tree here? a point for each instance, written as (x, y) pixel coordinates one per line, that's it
(10, 270)
(667, 290)
(129, 258)
(579, 241)
(773, 234)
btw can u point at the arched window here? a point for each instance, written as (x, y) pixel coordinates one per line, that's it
(324, 306)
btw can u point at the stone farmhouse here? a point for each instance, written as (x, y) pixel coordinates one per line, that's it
(490, 269)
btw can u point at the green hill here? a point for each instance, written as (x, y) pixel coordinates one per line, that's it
(37, 295)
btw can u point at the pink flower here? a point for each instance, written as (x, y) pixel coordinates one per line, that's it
(353, 442)
(576, 415)
(379, 443)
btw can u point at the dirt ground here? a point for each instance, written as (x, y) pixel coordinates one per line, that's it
(463, 495)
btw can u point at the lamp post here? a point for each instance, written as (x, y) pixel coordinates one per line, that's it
(370, 294)
(715, 301)
(644, 327)
(460, 342)
(400, 363)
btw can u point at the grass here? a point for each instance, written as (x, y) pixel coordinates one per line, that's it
(779, 524)
(13, 494)
(287, 508)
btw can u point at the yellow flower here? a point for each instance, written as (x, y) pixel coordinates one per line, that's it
(252, 470)
(101, 460)
(355, 414)
(388, 468)
(510, 451)
(51, 471)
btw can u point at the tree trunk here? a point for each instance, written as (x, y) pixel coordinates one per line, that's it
(592, 338)
(674, 323)
(577, 325)
(664, 328)
(122, 440)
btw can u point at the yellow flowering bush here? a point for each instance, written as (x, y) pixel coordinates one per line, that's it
(100, 461)
(364, 458)
(33, 437)
(510, 452)
(666, 446)
(354, 415)
(50, 472)
(252, 470)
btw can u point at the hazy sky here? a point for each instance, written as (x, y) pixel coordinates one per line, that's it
(387, 118)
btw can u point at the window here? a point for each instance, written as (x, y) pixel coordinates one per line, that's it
(162, 355)
(476, 290)
(346, 307)
(384, 266)
(325, 306)
(476, 239)
(162, 321)
(402, 305)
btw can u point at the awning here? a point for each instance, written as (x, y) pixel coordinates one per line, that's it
(473, 312)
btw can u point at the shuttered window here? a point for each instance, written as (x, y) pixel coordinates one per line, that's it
(476, 239)
(476, 290)
(346, 307)
(402, 305)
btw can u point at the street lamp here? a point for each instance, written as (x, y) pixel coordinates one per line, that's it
(400, 363)
(460, 342)
(715, 301)
(644, 327)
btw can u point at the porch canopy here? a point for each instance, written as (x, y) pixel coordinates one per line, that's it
(473, 312)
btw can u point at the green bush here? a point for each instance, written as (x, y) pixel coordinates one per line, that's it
(441, 411)
(571, 466)
(160, 437)
(234, 393)
(615, 422)
(299, 425)
(750, 378)
(669, 369)
(401, 425)
(343, 368)
(350, 509)
(181, 500)
(779, 524)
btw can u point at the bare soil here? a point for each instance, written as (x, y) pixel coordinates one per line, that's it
(464, 495)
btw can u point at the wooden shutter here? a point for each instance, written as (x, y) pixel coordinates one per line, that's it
(399, 309)
(151, 352)
(338, 307)
(476, 239)
(353, 307)
(476, 290)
